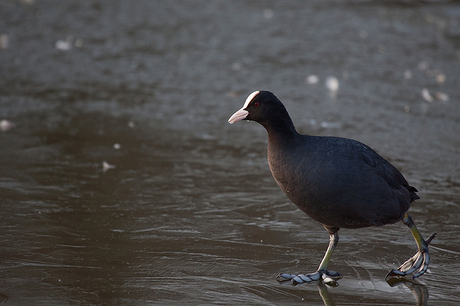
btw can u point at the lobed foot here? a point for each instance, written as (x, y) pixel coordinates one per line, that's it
(416, 265)
(328, 277)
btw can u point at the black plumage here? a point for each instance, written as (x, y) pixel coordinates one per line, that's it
(339, 182)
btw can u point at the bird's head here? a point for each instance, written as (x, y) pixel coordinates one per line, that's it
(260, 106)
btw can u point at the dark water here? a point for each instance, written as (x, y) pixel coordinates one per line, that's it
(190, 214)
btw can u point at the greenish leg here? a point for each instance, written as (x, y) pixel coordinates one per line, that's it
(333, 241)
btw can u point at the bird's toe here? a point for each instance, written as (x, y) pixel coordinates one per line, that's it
(327, 277)
(283, 277)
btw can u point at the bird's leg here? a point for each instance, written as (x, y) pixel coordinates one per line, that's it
(327, 276)
(417, 264)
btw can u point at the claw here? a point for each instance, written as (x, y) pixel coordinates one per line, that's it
(283, 277)
(430, 238)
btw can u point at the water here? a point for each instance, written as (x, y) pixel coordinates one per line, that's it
(190, 214)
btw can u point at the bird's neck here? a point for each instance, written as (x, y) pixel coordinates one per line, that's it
(281, 129)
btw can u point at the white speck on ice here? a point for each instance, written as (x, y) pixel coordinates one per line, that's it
(106, 166)
(312, 79)
(426, 95)
(6, 125)
(332, 84)
(442, 96)
(440, 78)
(64, 45)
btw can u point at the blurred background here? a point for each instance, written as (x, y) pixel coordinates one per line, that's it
(121, 181)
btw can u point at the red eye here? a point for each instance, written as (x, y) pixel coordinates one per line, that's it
(256, 103)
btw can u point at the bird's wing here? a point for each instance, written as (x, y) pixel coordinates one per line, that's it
(387, 172)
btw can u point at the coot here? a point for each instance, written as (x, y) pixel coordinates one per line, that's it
(336, 181)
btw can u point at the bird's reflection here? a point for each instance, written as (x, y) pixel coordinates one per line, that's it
(419, 291)
(324, 293)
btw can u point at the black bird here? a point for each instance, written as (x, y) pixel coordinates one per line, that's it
(338, 182)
